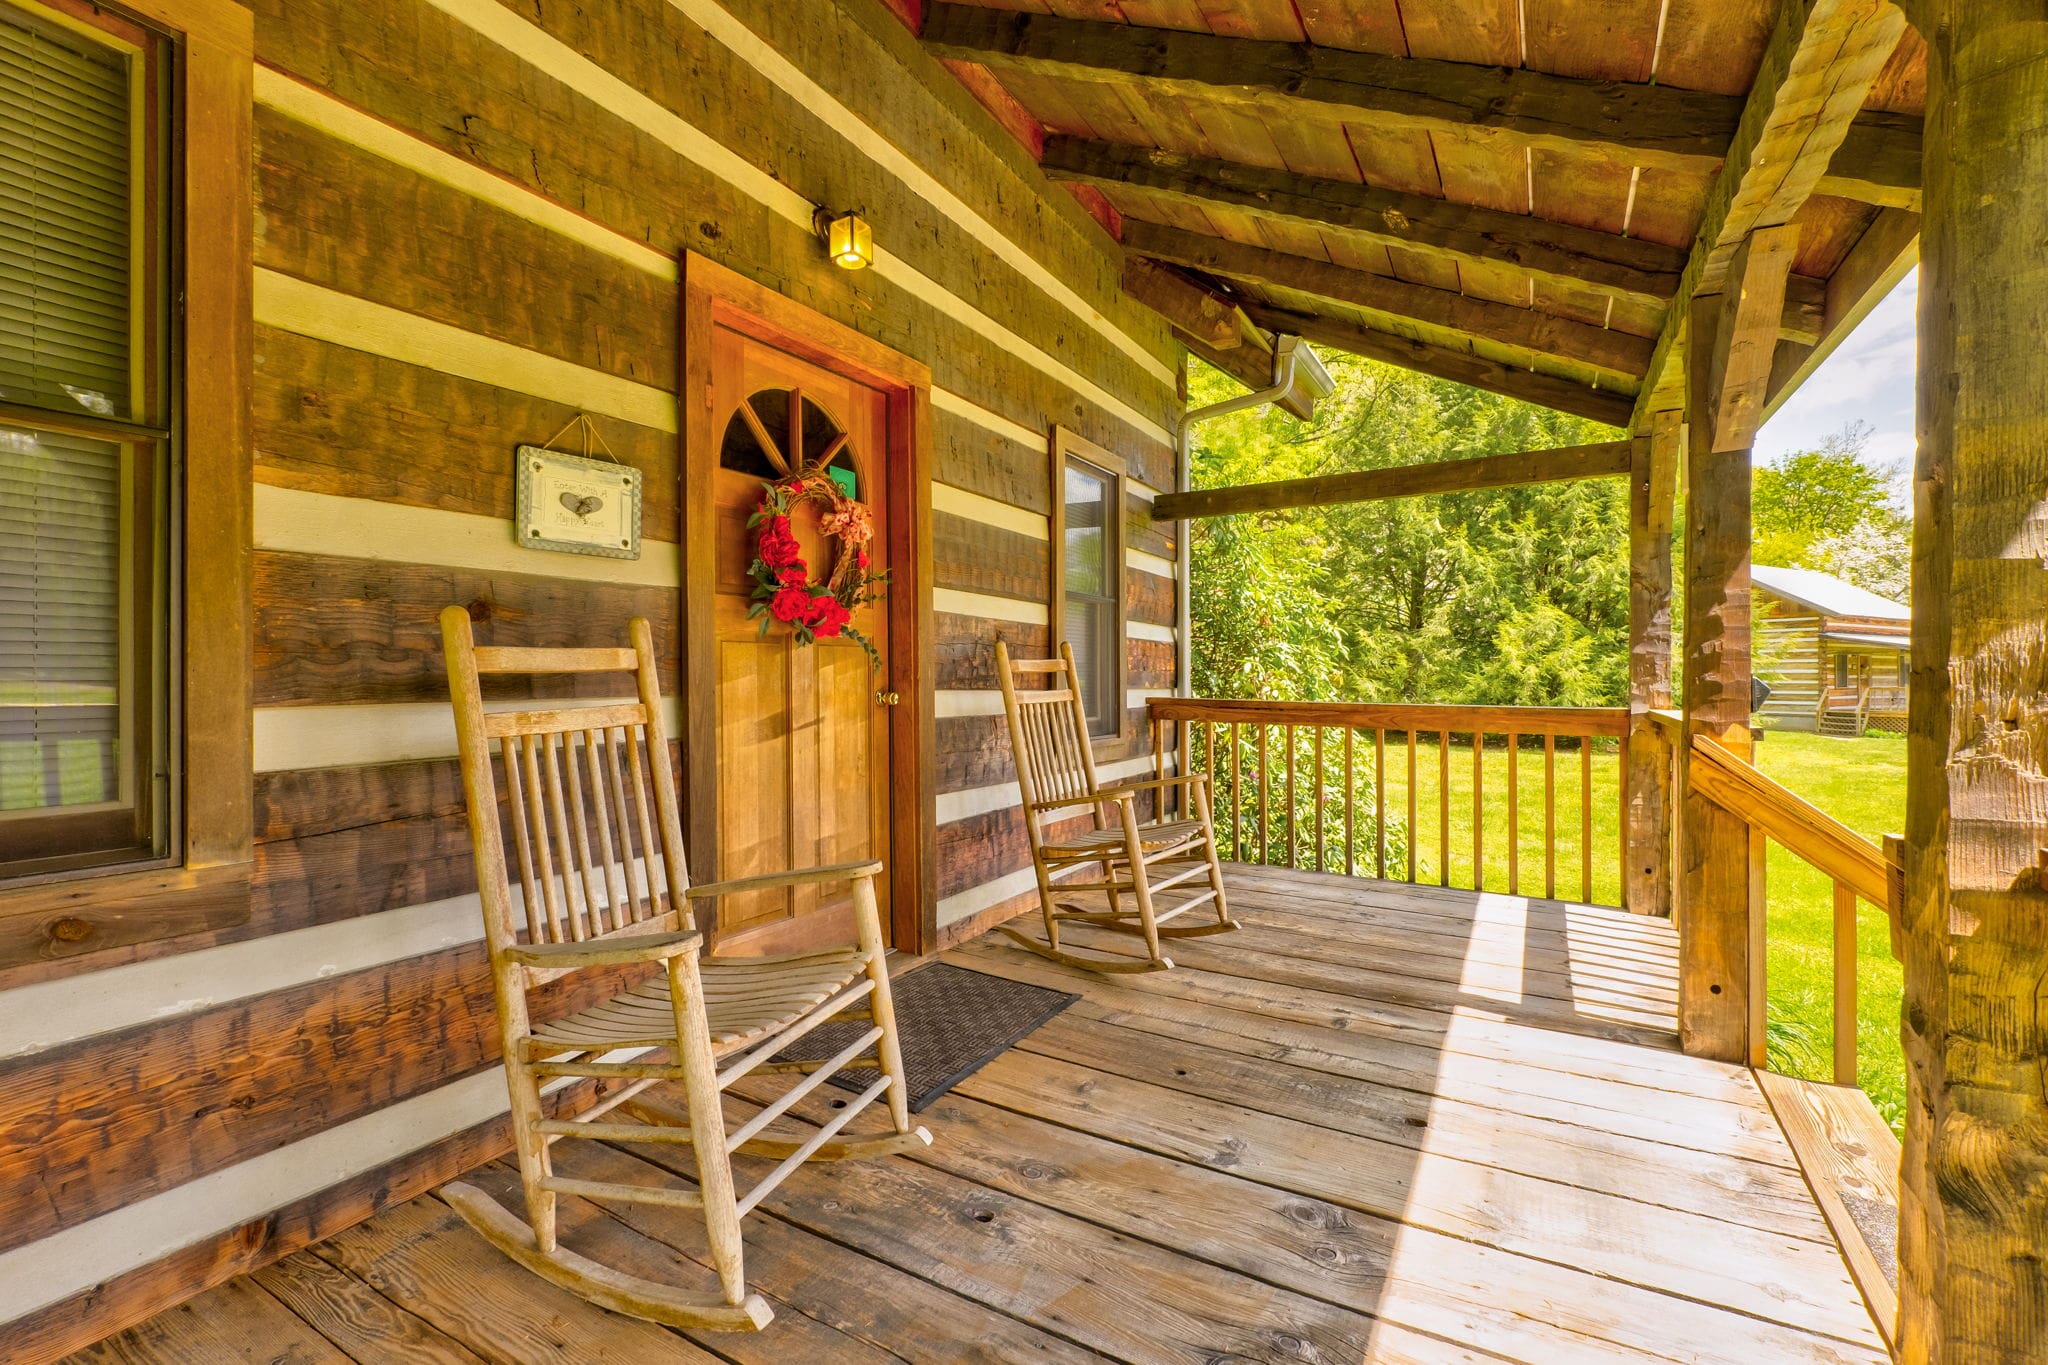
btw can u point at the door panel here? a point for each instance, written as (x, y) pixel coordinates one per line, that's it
(803, 743)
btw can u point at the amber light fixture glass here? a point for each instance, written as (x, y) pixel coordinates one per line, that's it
(848, 239)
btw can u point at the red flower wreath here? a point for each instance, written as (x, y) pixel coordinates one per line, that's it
(783, 590)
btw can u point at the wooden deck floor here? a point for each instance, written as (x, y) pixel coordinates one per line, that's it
(1383, 1123)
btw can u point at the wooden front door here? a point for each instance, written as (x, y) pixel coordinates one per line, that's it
(802, 731)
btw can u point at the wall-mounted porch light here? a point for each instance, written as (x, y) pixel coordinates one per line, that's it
(849, 241)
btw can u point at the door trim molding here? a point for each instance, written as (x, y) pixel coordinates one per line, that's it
(715, 295)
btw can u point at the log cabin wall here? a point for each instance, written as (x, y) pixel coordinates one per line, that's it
(468, 218)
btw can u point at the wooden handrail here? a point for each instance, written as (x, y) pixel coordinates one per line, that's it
(1604, 722)
(1735, 784)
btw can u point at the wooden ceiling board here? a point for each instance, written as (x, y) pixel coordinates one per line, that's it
(1270, 19)
(1318, 149)
(1901, 88)
(1136, 203)
(1236, 134)
(1359, 25)
(1481, 31)
(1583, 305)
(1668, 206)
(1181, 14)
(1637, 319)
(1828, 229)
(1298, 239)
(1042, 100)
(1572, 187)
(1002, 106)
(1354, 254)
(1418, 267)
(1401, 159)
(1600, 40)
(1714, 45)
(1488, 169)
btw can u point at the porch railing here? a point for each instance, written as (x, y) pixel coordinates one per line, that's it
(1444, 795)
(1859, 869)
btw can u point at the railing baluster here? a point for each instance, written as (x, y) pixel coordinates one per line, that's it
(1264, 831)
(1379, 800)
(1288, 736)
(1586, 818)
(1514, 818)
(1236, 795)
(1550, 817)
(1443, 797)
(1350, 809)
(1186, 802)
(1320, 865)
(1478, 810)
(1412, 838)
(1845, 985)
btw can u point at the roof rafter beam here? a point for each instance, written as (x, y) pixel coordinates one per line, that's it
(1461, 367)
(1648, 125)
(1615, 354)
(1562, 254)
(1817, 70)
(1404, 481)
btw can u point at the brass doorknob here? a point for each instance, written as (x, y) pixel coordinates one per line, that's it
(888, 698)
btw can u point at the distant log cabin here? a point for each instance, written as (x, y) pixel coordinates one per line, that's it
(1834, 654)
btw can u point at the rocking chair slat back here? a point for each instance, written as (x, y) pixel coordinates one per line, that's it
(1048, 727)
(588, 790)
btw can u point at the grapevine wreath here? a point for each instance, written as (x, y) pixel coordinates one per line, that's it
(783, 590)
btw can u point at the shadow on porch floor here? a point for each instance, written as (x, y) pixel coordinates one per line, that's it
(1383, 1123)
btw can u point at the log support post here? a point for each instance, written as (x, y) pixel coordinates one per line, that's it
(1734, 336)
(1653, 481)
(1973, 1246)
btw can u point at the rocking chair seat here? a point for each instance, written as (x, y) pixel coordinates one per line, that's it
(1151, 839)
(745, 1000)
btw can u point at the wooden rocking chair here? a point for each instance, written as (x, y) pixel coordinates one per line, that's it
(569, 771)
(1056, 771)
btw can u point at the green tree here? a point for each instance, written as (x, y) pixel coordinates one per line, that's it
(1804, 504)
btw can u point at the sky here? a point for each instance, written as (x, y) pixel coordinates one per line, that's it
(1870, 378)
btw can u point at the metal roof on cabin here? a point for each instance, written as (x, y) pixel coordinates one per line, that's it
(1825, 593)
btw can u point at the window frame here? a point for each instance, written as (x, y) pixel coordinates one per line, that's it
(47, 920)
(1068, 447)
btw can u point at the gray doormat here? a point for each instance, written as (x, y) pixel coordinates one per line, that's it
(952, 1022)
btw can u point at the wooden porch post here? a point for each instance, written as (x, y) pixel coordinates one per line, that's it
(1653, 479)
(1734, 336)
(1973, 1248)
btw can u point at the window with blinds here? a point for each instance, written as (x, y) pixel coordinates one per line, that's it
(84, 443)
(1091, 621)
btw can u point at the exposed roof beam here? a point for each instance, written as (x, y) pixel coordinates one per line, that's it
(1878, 162)
(1570, 256)
(1737, 333)
(1191, 307)
(1885, 254)
(1816, 72)
(1645, 125)
(1574, 257)
(1617, 354)
(1404, 481)
(1462, 367)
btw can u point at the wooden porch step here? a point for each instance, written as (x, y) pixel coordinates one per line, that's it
(1851, 1160)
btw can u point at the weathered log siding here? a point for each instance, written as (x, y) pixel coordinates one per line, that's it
(468, 219)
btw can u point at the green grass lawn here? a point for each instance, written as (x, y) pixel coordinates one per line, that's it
(1862, 783)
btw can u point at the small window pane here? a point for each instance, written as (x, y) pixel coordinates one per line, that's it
(1091, 619)
(67, 166)
(1087, 566)
(61, 575)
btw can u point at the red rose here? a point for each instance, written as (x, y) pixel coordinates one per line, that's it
(829, 616)
(777, 547)
(860, 559)
(791, 604)
(792, 577)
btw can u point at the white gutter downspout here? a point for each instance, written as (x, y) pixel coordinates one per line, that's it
(1286, 353)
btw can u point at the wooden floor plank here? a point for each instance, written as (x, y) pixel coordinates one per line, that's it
(1542, 927)
(234, 1323)
(1768, 1198)
(363, 1324)
(1783, 1279)
(422, 1255)
(1666, 1116)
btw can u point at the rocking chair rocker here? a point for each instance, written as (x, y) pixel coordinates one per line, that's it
(1056, 772)
(569, 770)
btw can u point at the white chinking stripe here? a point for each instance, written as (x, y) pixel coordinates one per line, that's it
(1148, 563)
(949, 703)
(975, 899)
(317, 109)
(545, 53)
(793, 81)
(292, 737)
(974, 507)
(987, 607)
(974, 801)
(295, 521)
(78, 1258)
(1145, 630)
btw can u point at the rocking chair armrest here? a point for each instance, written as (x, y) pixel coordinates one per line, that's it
(606, 952)
(1107, 796)
(769, 881)
(1156, 783)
